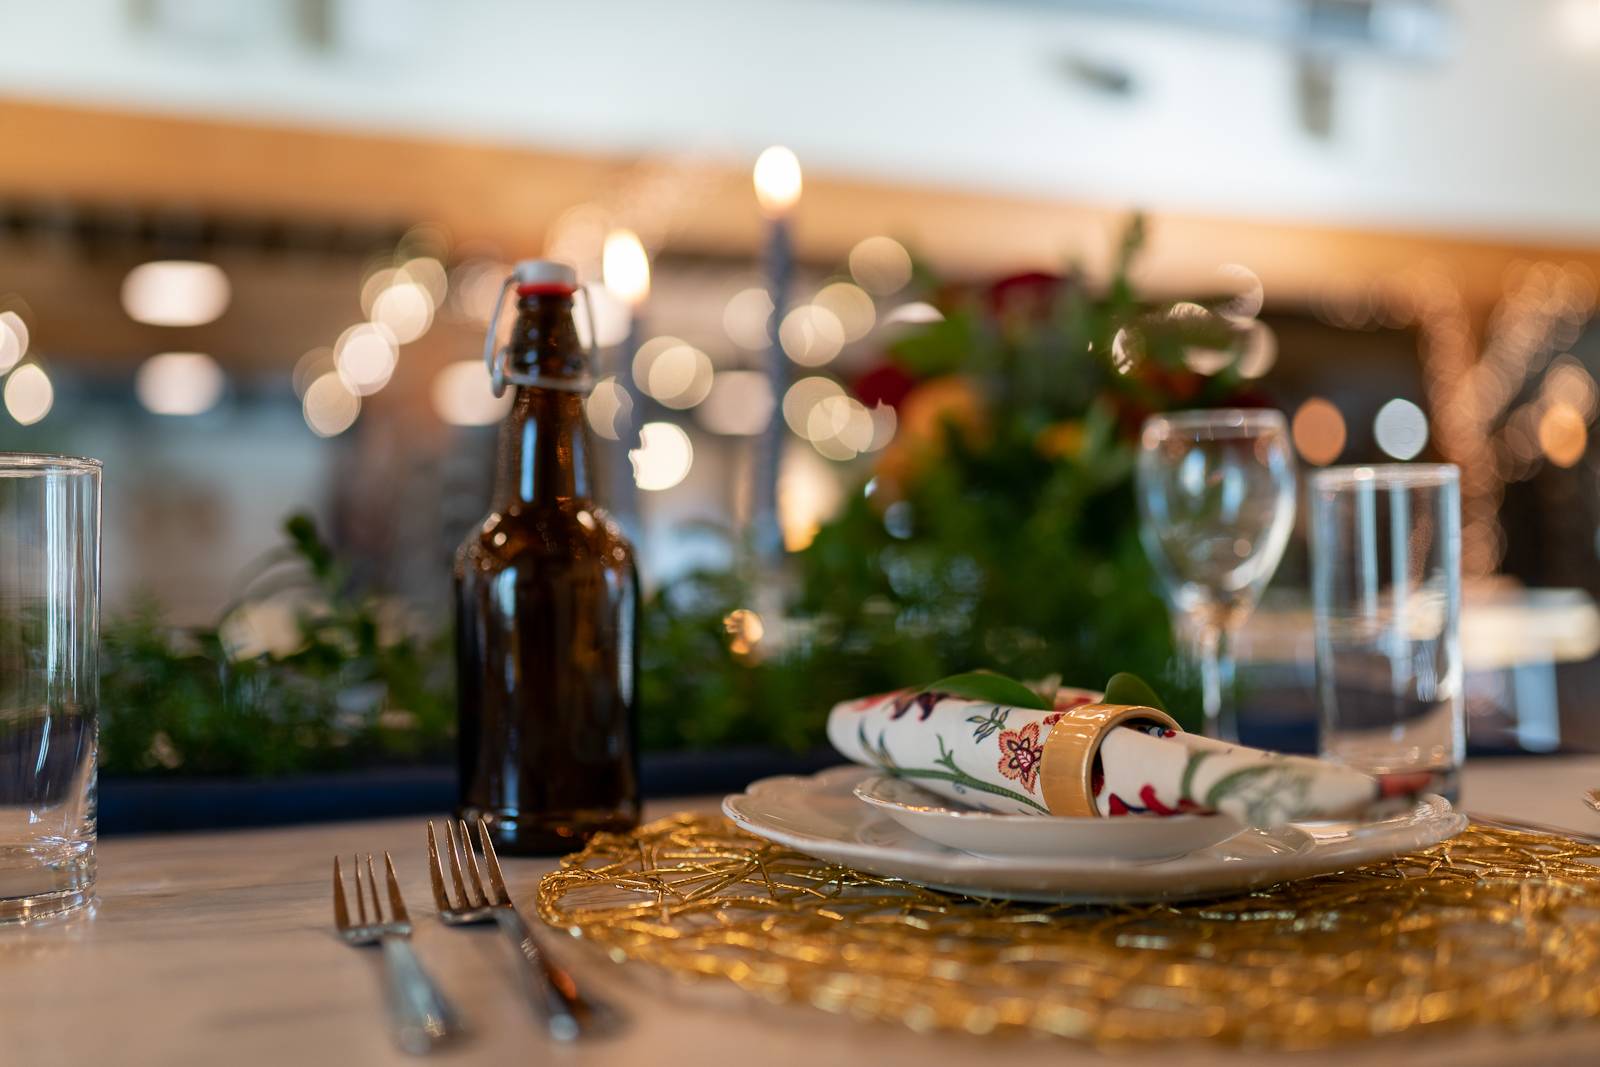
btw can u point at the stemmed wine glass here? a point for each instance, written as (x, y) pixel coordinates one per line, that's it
(1216, 504)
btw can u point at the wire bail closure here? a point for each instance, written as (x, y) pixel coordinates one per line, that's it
(498, 360)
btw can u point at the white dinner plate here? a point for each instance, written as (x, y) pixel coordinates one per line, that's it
(820, 816)
(989, 833)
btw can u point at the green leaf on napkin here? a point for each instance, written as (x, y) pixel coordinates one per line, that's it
(991, 688)
(1125, 688)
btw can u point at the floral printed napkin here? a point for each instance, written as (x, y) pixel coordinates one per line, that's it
(989, 756)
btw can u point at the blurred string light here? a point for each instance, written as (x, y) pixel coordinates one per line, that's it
(1127, 348)
(1319, 431)
(663, 458)
(777, 181)
(475, 286)
(1568, 381)
(880, 265)
(1563, 436)
(461, 395)
(365, 357)
(916, 313)
(1260, 350)
(404, 299)
(625, 267)
(851, 305)
(745, 630)
(746, 318)
(811, 335)
(309, 367)
(179, 383)
(329, 407)
(1198, 358)
(29, 394)
(740, 404)
(1401, 429)
(1249, 294)
(13, 340)
(176, 292)
(609, 409)
(804, 395)
(673, 372)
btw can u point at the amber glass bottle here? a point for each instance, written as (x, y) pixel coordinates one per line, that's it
(547, 609)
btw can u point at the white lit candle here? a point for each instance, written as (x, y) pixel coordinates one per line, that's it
(777, 185)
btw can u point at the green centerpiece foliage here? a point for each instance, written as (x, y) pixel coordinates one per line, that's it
(998, 530)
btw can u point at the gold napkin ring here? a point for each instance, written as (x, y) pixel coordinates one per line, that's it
(1066, 769)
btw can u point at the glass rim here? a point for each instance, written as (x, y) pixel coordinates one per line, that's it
(1388, 476)
(1218, 418)
(14, 464)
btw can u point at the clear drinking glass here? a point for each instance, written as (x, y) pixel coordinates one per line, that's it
(1386, 588)
(1216, 504)
(49, 681)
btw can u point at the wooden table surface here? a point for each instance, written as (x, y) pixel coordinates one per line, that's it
(217, 949)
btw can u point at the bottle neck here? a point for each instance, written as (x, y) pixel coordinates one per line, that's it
(544, 446)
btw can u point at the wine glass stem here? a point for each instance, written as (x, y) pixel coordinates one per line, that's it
(1215, 653)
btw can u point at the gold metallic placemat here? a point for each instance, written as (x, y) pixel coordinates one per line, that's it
(1496, 926)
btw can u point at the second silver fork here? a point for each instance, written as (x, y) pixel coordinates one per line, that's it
(566, 1014)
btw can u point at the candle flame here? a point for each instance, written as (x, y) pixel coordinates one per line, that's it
(625, 267)
(777, 179)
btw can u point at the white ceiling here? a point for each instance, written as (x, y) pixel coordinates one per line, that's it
(1502, 136)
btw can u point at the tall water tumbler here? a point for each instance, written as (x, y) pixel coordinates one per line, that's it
(1386, 585)
(49, 681)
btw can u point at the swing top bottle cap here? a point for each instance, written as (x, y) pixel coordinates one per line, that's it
(544, 276)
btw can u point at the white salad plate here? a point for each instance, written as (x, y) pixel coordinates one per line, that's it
(821, 816)
(988, 833)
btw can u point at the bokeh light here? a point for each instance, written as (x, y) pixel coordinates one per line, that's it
(405, 308)
(175, 292)
(672, 371)
(329, 407)
(1260, 350)
(13, 340)
(747, 317)
(663, 458)
(740, 404)
(179, 383)
(1319, 431)
(851, 305)
(802, 396)
(916, 313)
(365, 356)
(29, 394)
(1248, 293)
(1401, 429)
(811, 335)
(462, 396)
(880, 265)
(309, 367)
(1563, 437)
(609, 409)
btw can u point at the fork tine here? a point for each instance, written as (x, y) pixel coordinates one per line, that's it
(455, 865)
(491, 863)
(341, 911)
(372, 886)
(361, 902)
(396, 901)
(472, 862)
(441, 898)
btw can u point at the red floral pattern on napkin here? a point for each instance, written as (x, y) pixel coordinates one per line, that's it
(1020, 753)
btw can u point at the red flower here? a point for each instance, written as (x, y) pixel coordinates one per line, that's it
(1020, 753)
(1030, 296)
(887, 383)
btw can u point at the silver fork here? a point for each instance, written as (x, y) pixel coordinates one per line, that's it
(552, 991)
(420, 1018)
